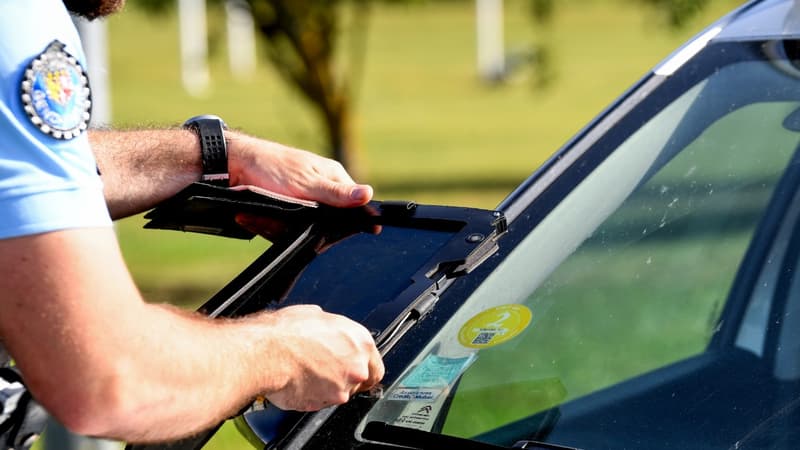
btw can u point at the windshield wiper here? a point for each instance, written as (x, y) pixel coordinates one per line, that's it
(425, 440)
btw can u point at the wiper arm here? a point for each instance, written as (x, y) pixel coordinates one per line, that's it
(425, 440)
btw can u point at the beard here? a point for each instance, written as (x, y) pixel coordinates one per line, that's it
(92, 9)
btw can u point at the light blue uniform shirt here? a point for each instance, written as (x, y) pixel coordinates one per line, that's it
(46, 184)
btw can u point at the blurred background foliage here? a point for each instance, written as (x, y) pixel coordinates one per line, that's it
(422, 124)
(300, 40)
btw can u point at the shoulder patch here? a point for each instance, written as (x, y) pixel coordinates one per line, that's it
(55, 93)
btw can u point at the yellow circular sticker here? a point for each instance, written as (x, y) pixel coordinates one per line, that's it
(494, 326)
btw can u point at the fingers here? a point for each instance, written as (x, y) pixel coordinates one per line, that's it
(268, 228)
(330, 358)
(375, 370)
(294, 172)
(337, 188)
(332, 169)
(344, 195)
(367, 370)
(361, 194)
(372, 369)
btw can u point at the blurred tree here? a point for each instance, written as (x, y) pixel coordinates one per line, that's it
(300, 39)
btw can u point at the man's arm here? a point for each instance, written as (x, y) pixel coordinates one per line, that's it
(106, 363)
(143, 167)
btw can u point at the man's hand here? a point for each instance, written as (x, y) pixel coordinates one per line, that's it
(326, 358)
(292, 172)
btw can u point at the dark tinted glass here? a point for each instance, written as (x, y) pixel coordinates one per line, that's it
(365, 270)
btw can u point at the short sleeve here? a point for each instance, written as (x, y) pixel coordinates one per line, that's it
(48, 179)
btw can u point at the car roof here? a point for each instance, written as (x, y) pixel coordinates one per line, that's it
(761, 19)
(755, 20)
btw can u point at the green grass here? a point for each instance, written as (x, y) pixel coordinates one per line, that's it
(182, 268)
(428, 129)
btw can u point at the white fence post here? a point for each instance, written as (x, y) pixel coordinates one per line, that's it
(94, 37)
(241, 39)
(194, 46)
(489, 30)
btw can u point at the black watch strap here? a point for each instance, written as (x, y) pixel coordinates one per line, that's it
(211, 131)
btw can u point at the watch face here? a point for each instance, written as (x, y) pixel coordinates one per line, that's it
(203, 117)
(211, 131)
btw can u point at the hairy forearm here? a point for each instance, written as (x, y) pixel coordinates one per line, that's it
(113, 365)
(182, 366)
(141, 168)
(106, 363)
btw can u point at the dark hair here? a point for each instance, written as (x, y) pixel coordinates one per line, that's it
(92, 9)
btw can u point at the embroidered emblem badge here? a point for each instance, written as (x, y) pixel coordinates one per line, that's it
(55, 93)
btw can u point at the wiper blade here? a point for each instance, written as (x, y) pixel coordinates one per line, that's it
(425, 440)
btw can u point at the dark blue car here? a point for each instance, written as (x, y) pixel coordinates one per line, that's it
(638, 291)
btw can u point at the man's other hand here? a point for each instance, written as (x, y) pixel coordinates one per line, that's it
(320, 359)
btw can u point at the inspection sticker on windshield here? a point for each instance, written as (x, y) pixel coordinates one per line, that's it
(436, 370)
(431, 377)
(494, 326)
(423, 391)
(415, 394)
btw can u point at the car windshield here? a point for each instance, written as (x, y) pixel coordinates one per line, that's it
(652, 305)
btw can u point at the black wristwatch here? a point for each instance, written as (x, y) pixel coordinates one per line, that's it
(214, 150)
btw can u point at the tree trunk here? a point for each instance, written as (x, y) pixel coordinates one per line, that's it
(340, 135)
